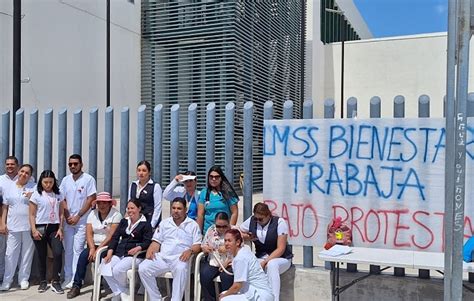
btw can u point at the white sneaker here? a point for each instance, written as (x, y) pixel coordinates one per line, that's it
(24, 285)
(66, 284)
(5, 287)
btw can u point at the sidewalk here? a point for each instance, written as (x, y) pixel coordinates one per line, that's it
(31, 294)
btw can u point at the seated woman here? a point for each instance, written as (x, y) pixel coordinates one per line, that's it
(188, 191)
(218, 196)
(46, 219)
(270, 237)
(132, 236)
(101, 225)
(250, 282)
(217, 257)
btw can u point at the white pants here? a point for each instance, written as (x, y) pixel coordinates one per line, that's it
(274, 268)
(150, 269)
(3, 248)
(118, 281)
(257, 296)
(73, 242)
(18, 243)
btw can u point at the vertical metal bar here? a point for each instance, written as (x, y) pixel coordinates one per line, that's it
(210, 134)
(351, 107)
(48, 140)
(248, 158)
(424, 112)
(107, 54)
(158, 143)
(5, 139)
(399, 112)
(174, 141)
(459, 166)
(19, 134)
(288, 114)
(93, 141)
(77, 132)
(375, 107)
(375, 112)
(16, 65)
(141, 127)
(192, 137)
(351, 113)
(449, 157)
(124, 157)
(33, 145)
(308, 250)
(268, 110)
(329, 111)
(62, 143)
(229, 141)
(109, 149)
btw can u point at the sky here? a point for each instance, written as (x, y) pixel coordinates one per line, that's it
(386, 18)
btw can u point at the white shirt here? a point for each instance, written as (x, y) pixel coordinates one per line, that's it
(173, 191)
(5, 180)
(157, 194)
(102, 228)
(18, 208)
(174, 240)
(47, 207)
(247, 269)
(261, 234)
(76, 192)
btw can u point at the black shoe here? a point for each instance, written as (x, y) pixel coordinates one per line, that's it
(43, 287)
(56, 287)
(74, 292)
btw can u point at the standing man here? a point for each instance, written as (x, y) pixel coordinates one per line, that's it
(174, 242)
(10, 176)
(79, 192)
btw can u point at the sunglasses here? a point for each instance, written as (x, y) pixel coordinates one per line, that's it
(73, 164)
(222, 227)
(258, 219)
(214, 177)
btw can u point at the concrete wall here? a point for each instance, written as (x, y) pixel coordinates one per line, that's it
(64, 60)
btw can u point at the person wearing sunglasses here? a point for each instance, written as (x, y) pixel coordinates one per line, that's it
(217, 258)
(79, 192)
(218, 196)
(269, 234)
(187, 191)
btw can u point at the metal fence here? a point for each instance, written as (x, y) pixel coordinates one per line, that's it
(109, 146)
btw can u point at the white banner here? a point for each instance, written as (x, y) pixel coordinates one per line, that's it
(384, 177)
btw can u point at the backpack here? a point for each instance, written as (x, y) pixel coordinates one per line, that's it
(338, 233)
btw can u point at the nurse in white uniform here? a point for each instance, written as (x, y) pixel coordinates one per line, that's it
(250, 281)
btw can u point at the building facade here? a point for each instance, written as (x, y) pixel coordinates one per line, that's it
(222, 51)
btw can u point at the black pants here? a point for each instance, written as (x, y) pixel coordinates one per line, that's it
(56, 245)
(207, 274)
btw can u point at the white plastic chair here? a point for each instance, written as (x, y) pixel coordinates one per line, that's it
(197, 279)
(97, 277)
(187, 289)
(131, 276)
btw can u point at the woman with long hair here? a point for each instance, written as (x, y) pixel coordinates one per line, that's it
(15, 224)
(148, 192)
(218, 196)
(46, 221)
(250, 281)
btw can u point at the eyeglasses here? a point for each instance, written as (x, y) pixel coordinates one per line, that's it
(214, 177)
(73, 164)
(258, 219)
(222, 227)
